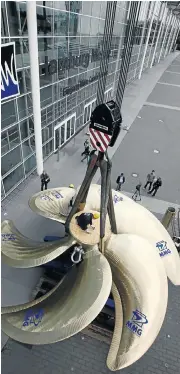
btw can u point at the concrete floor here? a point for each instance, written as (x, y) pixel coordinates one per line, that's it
(132, 153)
(155, 128)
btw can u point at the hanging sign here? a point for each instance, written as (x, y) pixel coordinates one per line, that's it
(9, 79)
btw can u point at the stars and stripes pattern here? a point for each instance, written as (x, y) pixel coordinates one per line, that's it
(99, 140)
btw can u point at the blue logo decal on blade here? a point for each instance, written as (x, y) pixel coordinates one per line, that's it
(33, 317)
(8, 237)
(163, 249)
(9, 80)
(137, 322)
(45, 197)
(57, 194)
(116, 199)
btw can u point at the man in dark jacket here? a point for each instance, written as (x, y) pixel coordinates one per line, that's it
(156, 186)
(176, 240)
(85, 220)
(86, 152)
(44, 180)
(120, 180)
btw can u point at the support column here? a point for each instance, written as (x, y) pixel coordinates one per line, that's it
(163, 43)
(159, 33)
(118, 58)
(128, 45)
(163, 29)
(173, 37)
(143, 32)
(152, 44)
(35, 86)
(147, 40)
(170, 36)
(176, 33)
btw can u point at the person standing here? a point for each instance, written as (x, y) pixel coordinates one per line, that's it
(150, 179)
(86, 146)
(71, 201)
(176, 240)
(86, 143)
(86, 153)
(120, 180)
(137, 193)
(155, 187)
(44, 180)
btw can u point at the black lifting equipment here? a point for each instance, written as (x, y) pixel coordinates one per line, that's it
(105, 126)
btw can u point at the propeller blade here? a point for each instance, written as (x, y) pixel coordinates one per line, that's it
(142, 284)
(52, 203)
(132, 218)
(73, 305)
(21, 252)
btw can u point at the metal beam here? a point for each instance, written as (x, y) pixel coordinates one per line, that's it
(157, 21)
(163, 8)
(147, 40)
(170, 34)
(163, 43)
(176, 33)
(106, 49)
(147, 4)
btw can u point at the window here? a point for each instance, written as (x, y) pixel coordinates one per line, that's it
(30, 164)
(4, 25)
(47, 149)
(107, 95)
(61, 23)
(2, 190)
(4, 143)
(27, 128)
(64, 131)
(46, 96)
(22, 107)
(86, 7)
(13, 134)
(10, 139)
(28, 147)
(49, 113)
(96, 8)
(23, 17)
(46, 133)
(8, 113)
(44, 21)
(73, 121)
(10, 160)
(88, 109)
(13, 18)
(13, 178)
(74, 25)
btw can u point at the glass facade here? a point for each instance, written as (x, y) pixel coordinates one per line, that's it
(70, 35)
